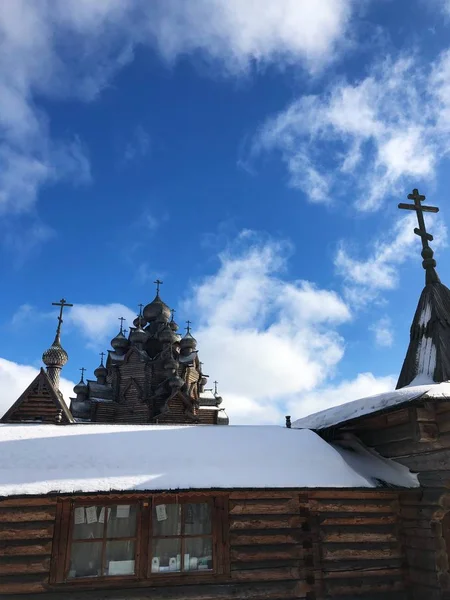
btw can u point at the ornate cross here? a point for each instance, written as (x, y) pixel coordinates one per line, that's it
(102, 354)
(121, 319)
(188, 328)
(427, 253)
(82, 373)
(173, 311)
(158, 283)
(62, 303)
(141, 306)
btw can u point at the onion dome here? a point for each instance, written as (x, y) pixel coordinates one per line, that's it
(167, 336)
(176, 382)
(139, 321)
(55, 356)
(188, 342)
(138, 335)
(157, 311)
(81, 389)
(101, 371)
(119, 342)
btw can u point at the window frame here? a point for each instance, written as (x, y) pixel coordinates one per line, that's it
(63, 536)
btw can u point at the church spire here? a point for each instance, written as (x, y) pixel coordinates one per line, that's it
(56, 357)
(428, 263)
(427, 359)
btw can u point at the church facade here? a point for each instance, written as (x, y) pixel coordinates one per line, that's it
(130, 492)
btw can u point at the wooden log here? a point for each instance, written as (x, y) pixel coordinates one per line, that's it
(358, 574)
(263, 507)
(332, 520)
(25, 548)
(291, 536)
(363, 537)
(364, 551)
(361, 564)
(24, 564)
(26, 531)
(396, 433)
(386, 495)
(256, 553)
(27, 584)
(364, 588)
(27, 513)
(28, 501)
(352, 507)
(421, 559)
(419, 576)
(266, 495)
(268, 574)
(238, 522)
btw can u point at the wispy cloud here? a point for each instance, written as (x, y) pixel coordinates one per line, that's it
(383, 332)
(365, 278)
(368, 135)
(98, 323)
(138, 145)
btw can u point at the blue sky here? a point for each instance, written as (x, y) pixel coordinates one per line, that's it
(249, 153)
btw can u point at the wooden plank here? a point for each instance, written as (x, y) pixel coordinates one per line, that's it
(344, 507)
(26, 531)
(396, 433)
(268, 574)
(266, 495)
(266, 522)
(24, 564)
(28, 501)
(255, 538)
(27, 584)
(27, 513)
(358, 574)
(364, 588)
(263, 507)
(25, 548)
(361, 553)
(357, 520)
(349, 494)
(257, 553)
(342, 537)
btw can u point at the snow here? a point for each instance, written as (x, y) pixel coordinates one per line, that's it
(426, 358)
(39, 459)
(359, 408)
(372, 404)
(425, 315)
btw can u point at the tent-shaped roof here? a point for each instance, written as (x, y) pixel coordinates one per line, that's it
(100, 458)
(40, 402)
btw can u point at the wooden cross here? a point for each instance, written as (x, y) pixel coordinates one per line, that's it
(121, 319)
(173, 311)
(188, 328)
(141, 306)
(158, 283)
(102, 354)
(216, 383)
(82, 373)
(62, 303)
(420, 209)
(125, 331)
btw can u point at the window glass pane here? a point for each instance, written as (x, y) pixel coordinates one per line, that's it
(197, 519)
(87, 522)
(120, 558)
(166, 555)
(85, 560)
(121, 521)
(166, 519)
(197, 554)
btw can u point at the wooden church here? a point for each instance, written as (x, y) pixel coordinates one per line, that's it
(133, 492)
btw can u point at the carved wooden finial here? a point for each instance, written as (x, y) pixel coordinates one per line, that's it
(428, 262)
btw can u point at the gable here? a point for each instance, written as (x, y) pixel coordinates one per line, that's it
(177, 409)
(41, 403)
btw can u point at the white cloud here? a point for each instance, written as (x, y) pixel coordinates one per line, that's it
(269, 341)
(364, 384)
(137, 146)
(73, 48)
(98, 323)
(383, 333)
(370, 135)
(15, 378)
(365, 278)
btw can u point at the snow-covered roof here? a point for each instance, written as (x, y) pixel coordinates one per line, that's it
(365, 406)
(40, 459)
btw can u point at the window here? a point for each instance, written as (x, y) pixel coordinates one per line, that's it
(141, 538)
(181, 537)
(103, 541)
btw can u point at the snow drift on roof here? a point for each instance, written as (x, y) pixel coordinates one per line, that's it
(39, 459)
(372, 404)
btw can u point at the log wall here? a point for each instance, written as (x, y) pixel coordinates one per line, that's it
(279, 545)
(419, 438)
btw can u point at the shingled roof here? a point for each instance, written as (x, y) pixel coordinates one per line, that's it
(427, 359)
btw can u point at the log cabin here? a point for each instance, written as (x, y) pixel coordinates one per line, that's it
(129, 494)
